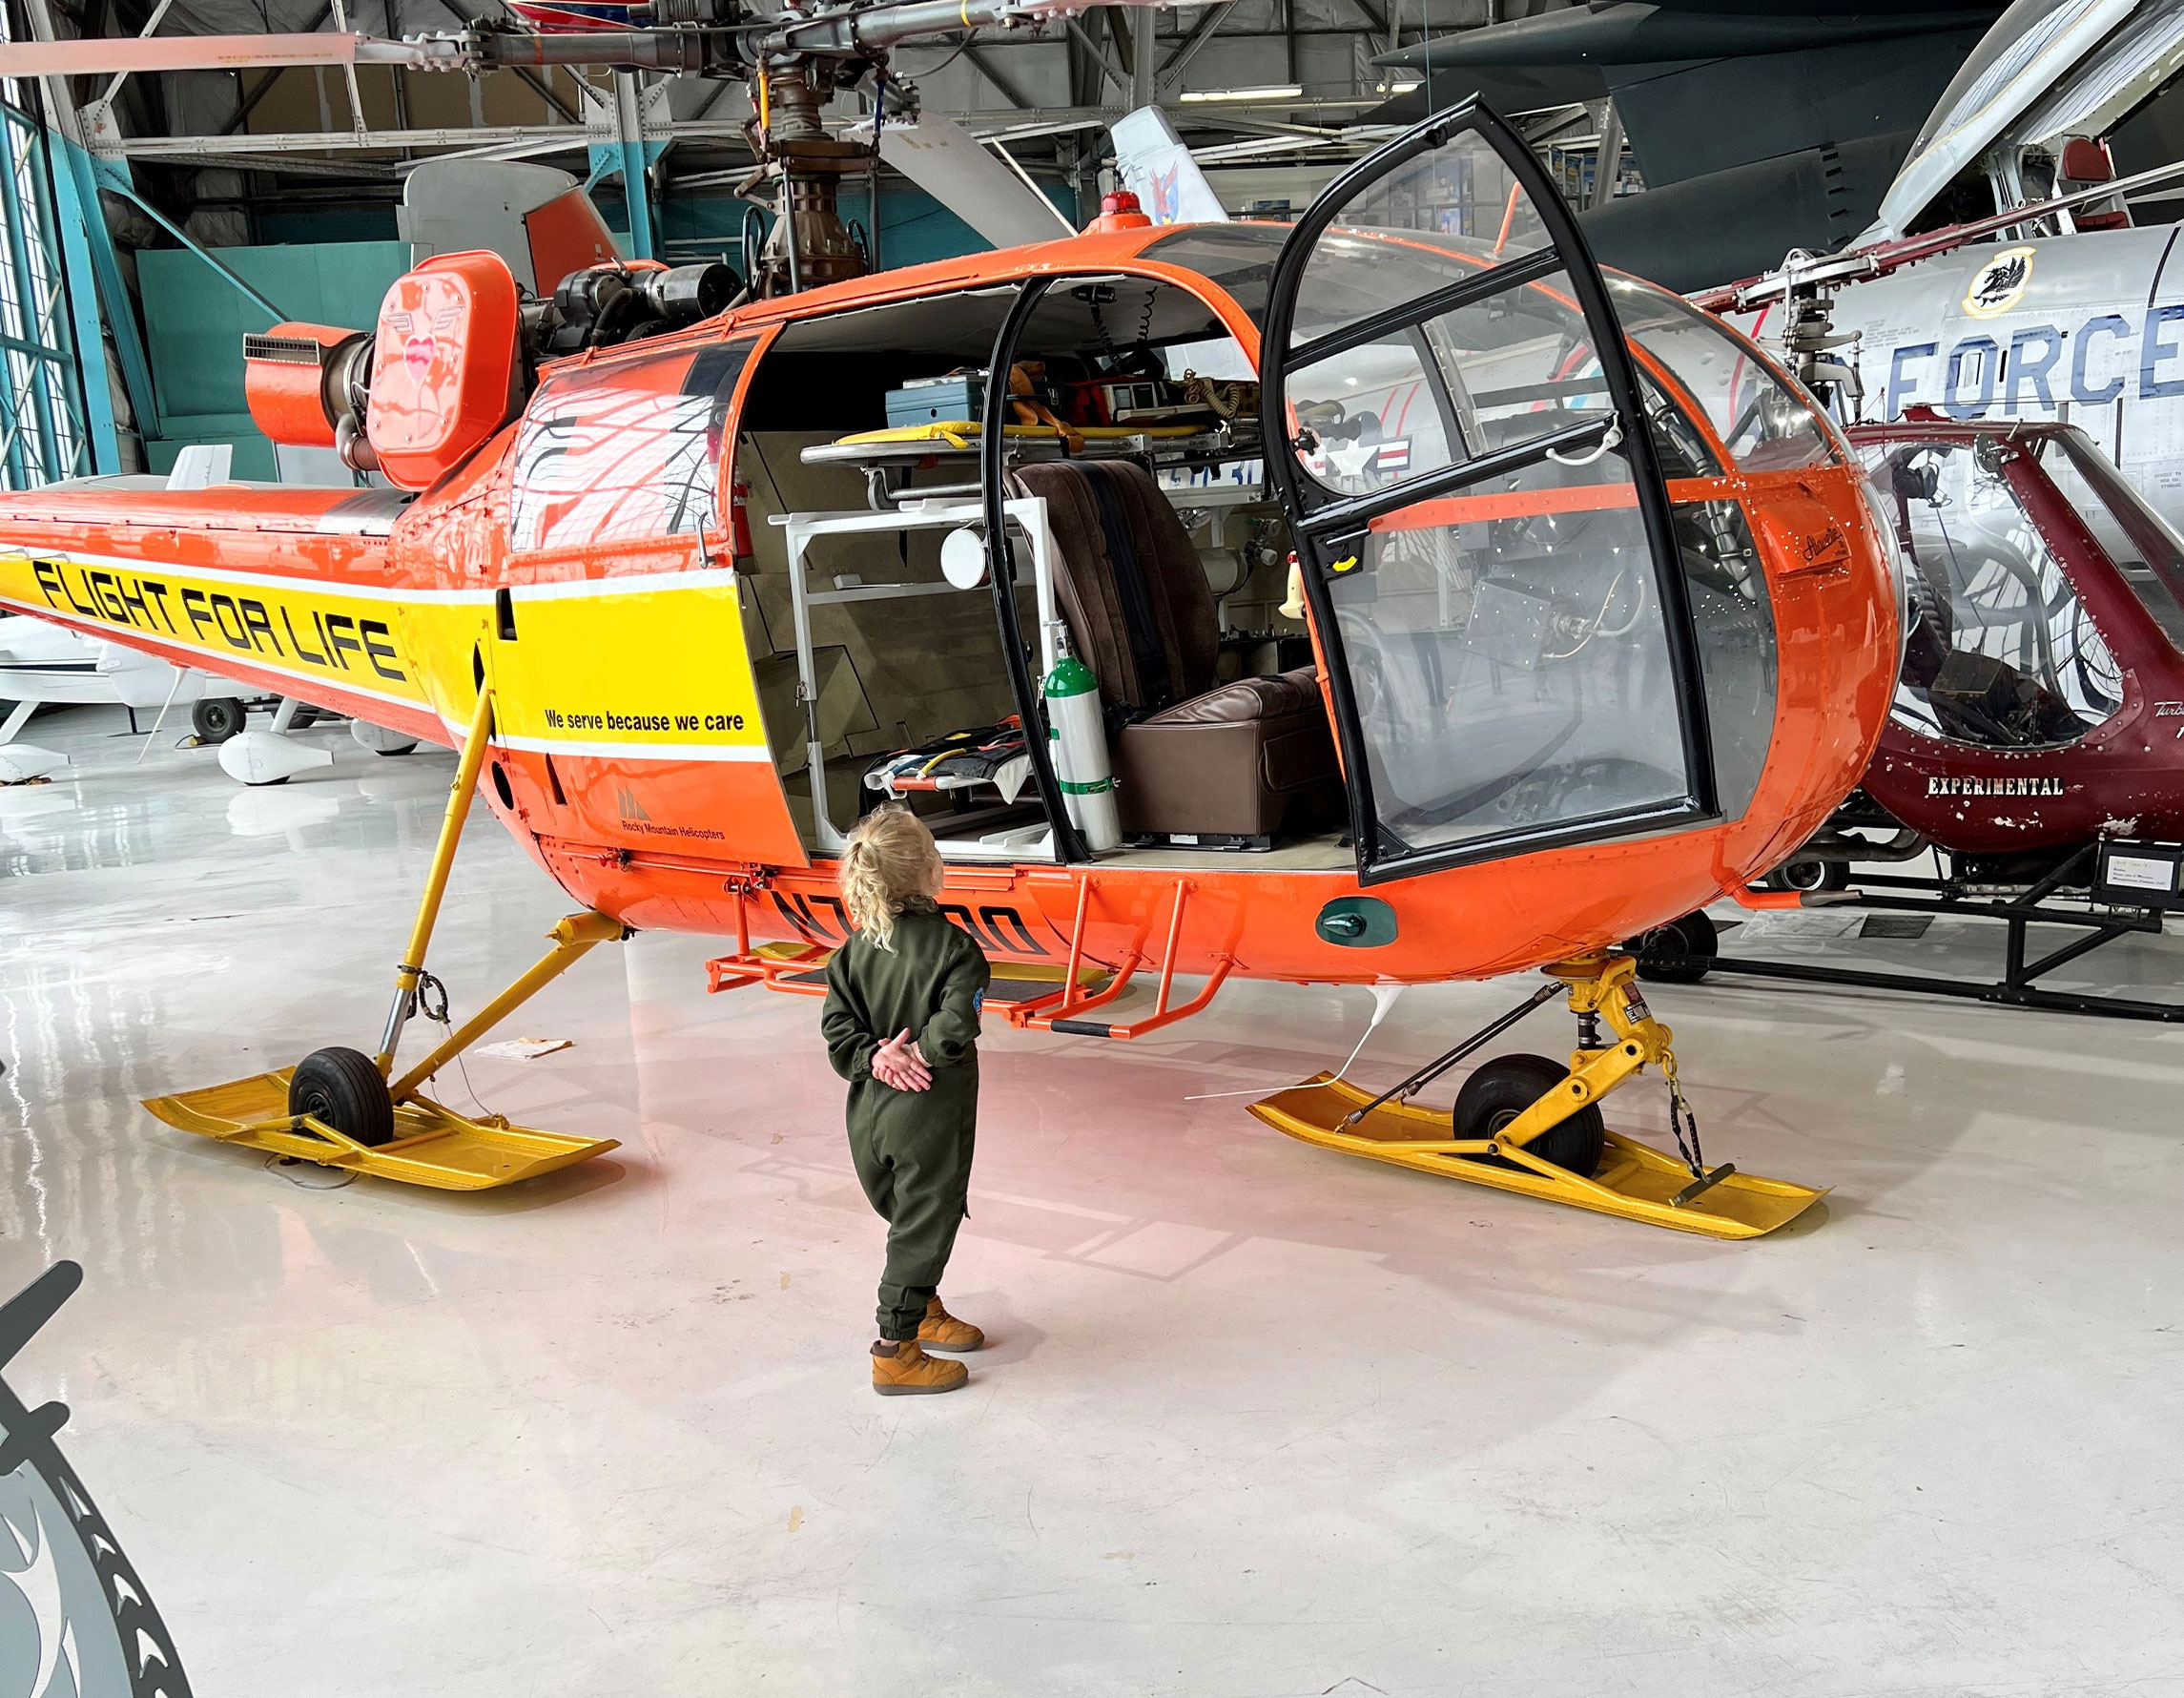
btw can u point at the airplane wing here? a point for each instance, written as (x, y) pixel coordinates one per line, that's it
(2076, 68)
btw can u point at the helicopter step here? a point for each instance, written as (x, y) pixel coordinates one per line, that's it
(1518, 1112)
(800, 969)
(343, 1109)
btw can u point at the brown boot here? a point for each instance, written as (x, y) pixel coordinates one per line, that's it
(942, 1330)
(905, 1371)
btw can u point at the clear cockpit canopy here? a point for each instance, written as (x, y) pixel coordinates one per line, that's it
(2001, 650)
(1505, 631)
(1762, 417)
(2145, 549)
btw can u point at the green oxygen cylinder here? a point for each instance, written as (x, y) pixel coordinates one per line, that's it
(1077, 737)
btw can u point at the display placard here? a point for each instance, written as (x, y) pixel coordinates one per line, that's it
(2141, 874)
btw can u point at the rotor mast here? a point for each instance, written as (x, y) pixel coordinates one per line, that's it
(792, 64)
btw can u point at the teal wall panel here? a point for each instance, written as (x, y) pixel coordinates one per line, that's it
(253, 453)
(914, 227)
(195, 318)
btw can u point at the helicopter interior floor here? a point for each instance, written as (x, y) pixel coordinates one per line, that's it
(900, 661)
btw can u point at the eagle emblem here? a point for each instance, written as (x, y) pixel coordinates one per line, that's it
(2000, 284)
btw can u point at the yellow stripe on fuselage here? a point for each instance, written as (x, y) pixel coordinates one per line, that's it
(308, 631)
(650, 666)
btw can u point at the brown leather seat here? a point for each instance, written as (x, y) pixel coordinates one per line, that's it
(1199, 757)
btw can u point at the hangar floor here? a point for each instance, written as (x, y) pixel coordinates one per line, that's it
(1257, 1420)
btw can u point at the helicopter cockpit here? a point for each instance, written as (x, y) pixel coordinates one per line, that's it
(2002, 651)
(1507, 639)
(1501, 654)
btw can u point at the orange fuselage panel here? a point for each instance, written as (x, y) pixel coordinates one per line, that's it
(631, 760)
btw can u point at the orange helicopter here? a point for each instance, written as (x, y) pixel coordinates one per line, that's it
(1595, 624)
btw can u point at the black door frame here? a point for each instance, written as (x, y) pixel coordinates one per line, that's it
(1001, 566)
(1323, 523)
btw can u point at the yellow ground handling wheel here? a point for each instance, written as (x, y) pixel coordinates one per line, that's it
(342, 1108)
(1524, 1123)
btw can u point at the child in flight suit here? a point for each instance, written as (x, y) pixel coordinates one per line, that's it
(901, 1025)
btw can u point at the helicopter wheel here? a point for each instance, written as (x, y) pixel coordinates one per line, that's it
(1810, 875)
(1676, 953)
(218, 717)
(345, 1089)
(1505, 1087)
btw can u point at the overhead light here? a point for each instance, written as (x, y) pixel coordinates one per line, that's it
(1287, 92)
(1404, 86)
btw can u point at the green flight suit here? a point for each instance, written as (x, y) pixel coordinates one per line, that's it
(911, 1149)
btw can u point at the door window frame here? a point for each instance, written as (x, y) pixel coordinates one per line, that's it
(1069, 844)
(1322, 520)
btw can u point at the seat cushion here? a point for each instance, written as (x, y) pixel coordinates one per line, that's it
(1246, 699)
(1228, 763)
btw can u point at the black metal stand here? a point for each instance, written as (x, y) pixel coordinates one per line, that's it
(2015, 988)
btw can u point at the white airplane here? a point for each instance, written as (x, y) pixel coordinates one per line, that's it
(2055, 307)
(42, 664)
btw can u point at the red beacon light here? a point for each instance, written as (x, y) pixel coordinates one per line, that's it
(1120, 211)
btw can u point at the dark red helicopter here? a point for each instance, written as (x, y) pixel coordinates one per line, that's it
(2036, 744)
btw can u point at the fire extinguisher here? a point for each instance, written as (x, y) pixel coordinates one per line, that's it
(1078, 736)
(739, 519)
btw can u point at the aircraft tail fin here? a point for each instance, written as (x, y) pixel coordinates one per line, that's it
(1157, 168)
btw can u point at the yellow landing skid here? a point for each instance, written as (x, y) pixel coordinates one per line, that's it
(392, 1128)
(1635, 1181)
(431, 1145)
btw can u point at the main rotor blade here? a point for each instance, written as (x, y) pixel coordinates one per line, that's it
(680, 51)
(845, 30)
(102, 56)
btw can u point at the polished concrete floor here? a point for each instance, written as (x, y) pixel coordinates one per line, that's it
(1257, 1421)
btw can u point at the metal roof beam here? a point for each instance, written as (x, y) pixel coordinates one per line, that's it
(1000, 78)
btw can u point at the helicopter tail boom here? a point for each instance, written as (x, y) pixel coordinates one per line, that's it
(299, 605)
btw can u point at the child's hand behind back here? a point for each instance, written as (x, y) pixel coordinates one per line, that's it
(897, 1064)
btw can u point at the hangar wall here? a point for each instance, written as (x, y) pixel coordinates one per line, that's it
(195, 318)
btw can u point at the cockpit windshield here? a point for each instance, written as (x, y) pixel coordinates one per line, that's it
(2001, 652)
(2147, 552)
(1767, 423)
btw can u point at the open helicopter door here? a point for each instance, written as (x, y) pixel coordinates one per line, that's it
(1482, 527)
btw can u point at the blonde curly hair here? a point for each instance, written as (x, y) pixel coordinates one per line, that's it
(891, 864)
